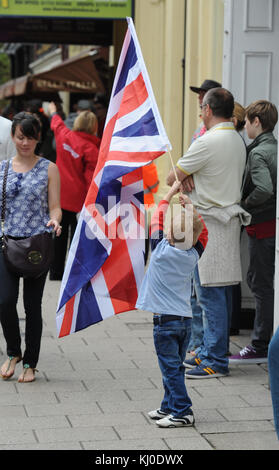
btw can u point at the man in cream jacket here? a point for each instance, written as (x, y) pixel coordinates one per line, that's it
(212, 171)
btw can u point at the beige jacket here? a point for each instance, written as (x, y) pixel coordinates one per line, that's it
(220, 264)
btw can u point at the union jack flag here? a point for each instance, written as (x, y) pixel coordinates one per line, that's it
(105, 265)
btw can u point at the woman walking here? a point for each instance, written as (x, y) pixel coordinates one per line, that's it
(32, 207)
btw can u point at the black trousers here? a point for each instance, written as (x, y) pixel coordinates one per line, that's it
(32, 300)
(260, 279)
(69, 223)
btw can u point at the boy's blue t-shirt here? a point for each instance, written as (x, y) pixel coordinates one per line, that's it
(166, 287)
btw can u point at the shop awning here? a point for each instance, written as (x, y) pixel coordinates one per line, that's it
(78, 74)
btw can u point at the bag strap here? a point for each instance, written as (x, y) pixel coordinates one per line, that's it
(3, 210)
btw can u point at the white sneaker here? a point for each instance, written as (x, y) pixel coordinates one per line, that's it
(171, 422)
(157, 414)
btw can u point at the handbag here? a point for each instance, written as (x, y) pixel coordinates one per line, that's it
(28, 256)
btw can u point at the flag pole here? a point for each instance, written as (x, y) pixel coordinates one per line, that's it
(173, 167)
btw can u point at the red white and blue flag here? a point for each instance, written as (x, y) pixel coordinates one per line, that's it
(105, 265)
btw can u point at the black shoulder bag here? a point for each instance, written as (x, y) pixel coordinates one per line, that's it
(26, 257)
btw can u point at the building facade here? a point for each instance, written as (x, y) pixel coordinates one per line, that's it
(184, 42)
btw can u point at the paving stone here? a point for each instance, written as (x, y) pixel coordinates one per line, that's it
(63, 409)
(140, 333)
(261, 440)
(208, 416)
(146, 363)
(243, 378)
(190, 443)
(124, 384)
(262, 398)
(143, 405)
(206, 403)
(254, 413)
(35, 397)
(49, 422)
(118, 343)
(89, 396)
(111, 419)
(155, 394)
(14, 437)
(95, 388)
(8, 387)
(153, 431)
(112, 364)
(77, 434)
(222, 390)
(77, 375)
(13, 411)
(131, 444)
(89, 349)
(42, 385)
(199, 384)
(154, 374)
(236, 426)
(48, 446)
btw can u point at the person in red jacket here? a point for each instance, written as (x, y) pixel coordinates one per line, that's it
(77, 154)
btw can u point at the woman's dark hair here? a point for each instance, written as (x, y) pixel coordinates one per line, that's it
(29, 124)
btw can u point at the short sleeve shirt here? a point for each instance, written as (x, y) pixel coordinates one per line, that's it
(216, 160)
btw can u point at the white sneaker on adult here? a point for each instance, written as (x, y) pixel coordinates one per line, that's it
(157, 414)
(171, 422)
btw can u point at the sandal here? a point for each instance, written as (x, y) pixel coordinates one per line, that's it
(6, 376)
(22, 376)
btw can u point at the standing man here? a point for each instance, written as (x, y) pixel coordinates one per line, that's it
(7, 148)
(201, 91)
(197, 314)
(212, 170)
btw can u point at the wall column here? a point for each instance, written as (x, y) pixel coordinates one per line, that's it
(160, 26)
(204, 55)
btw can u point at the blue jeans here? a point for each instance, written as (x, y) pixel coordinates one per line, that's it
(214, 302)
(197, 320)
(171, 341)
(273, 367)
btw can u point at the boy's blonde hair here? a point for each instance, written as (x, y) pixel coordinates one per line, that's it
(87, 122)
(186, 228)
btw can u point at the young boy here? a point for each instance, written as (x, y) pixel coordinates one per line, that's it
(166, 291)
(259, 198)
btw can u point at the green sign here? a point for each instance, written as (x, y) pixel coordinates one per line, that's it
(67, 8)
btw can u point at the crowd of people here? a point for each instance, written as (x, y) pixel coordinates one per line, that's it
(226, 182)
(232, 185)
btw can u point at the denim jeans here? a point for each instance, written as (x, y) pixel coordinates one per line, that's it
(197, 320)
(214, 302)
(171, 340)
(260, 279)
(273, 368)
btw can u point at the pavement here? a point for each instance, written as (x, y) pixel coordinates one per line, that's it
(95, 387)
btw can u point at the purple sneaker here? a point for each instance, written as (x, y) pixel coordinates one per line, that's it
(248, 355)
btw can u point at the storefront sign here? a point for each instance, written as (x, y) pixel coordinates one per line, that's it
(67, 8)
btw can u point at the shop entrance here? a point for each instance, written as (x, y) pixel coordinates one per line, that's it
(62, 50)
